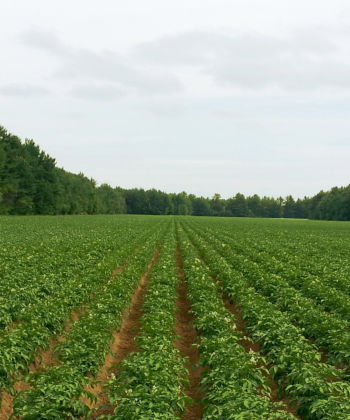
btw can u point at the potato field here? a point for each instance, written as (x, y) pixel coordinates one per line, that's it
(174, 317)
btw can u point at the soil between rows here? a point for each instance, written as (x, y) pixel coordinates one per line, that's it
(249, 346)
(122, 345)
(187, 338)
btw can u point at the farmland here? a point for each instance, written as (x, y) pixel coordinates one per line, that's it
(168, 317)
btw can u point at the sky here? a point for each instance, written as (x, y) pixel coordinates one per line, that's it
(202, 96)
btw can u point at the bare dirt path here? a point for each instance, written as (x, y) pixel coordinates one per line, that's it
(122, 345)
(187, 334)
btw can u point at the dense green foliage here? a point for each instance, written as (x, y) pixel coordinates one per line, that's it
(54, 392)
(47, 269)
(234, 380)
(320, 388)
(30, 183)
(287, 279)
(150, 382)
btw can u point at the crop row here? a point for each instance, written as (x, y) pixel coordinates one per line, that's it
(36, 267)
(326, 329)
(150, 383)
(55, 393)
(318, 388)
(321, 253)
(40, 322)
(233, 379)
(312, 286)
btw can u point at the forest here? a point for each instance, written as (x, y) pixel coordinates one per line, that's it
(31, 183)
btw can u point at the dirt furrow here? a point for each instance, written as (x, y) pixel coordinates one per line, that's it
(185, 343)
(250, 345)
(122, 345)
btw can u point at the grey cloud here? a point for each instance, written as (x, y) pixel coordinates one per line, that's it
(109, 66)
(44, 40)
(282, 72)
(23, 90)
(97, 92)
(168, 110)
(304, 60)
(199, 47)
(105, 66)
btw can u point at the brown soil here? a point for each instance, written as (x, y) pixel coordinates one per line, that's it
(7, 400)
(187, 337)
(122, 345)
(6, 405)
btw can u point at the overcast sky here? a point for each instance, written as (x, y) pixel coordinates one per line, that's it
(198, 95)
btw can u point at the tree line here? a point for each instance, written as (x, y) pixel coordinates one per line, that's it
(31, 183)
